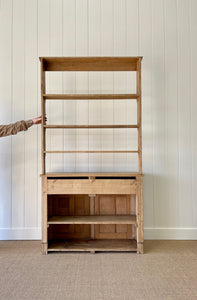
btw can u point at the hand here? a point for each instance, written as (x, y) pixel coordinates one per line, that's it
(38, 120)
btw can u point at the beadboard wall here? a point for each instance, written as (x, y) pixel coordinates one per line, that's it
(164, 32)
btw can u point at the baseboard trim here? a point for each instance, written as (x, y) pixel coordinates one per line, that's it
(170, 233)
(34, 233)
(31, 233)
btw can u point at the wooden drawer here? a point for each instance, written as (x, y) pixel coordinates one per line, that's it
(85, 186)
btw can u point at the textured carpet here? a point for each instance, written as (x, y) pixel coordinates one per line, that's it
(167, 270)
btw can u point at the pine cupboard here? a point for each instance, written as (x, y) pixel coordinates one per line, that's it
(92, 211)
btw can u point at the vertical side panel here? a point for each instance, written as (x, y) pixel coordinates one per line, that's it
(6, 113)
(139, 116)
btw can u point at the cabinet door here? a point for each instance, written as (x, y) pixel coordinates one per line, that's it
(113, 205)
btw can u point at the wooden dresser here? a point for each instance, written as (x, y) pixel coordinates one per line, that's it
(92, 211)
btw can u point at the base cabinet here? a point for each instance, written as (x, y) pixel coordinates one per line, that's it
(74, 221)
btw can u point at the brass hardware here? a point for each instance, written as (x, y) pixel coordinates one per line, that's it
(92, 179)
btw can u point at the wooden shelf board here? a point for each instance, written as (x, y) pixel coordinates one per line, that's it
(89, 96)
(127, 219)
(93, 151)
(90, 126)
(87, 174)
(93, 245)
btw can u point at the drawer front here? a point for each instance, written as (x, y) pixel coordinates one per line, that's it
(85, 186)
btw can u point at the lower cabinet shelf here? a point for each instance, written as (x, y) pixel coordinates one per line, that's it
(127, 219)
(93, 245)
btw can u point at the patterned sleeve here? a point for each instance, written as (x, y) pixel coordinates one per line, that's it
(14, 128)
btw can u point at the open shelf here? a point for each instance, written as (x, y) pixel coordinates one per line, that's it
(89, 96)
(95, 174)
(93, 245)
(128, 219)
(90, 126)
(92, 151)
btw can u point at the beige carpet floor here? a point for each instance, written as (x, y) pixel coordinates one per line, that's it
(167, 270)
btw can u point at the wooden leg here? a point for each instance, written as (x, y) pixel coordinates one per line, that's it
(139, 208)
(44, 248)
(140, 248)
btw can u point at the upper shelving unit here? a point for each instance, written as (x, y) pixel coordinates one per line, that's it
(88, 64)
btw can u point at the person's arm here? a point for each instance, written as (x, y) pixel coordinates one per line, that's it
(14, 128)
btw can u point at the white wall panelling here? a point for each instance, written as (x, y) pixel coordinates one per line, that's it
(193, 61)
(69, 83)
(94, 13)
(164, 32)
(31, 175)
(6, 113)
(18, 112)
